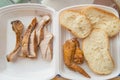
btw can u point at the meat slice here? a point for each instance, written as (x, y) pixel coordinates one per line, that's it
(33, 45)
(49, 51)
(36, 36)
(45, 39)
(26, 38)
(45, 46)
(40, 29)
(17, 27)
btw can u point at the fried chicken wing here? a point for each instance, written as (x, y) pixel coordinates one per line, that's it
(78, 56)
(40, 29)
(69, 49)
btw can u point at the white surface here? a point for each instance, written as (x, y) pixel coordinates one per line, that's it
(114, 50)
(24, 69)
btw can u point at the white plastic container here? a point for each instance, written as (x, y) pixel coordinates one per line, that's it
(27, 69)
(24, 69)
(114, 49)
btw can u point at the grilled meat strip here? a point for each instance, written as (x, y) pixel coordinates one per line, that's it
(33, 45)
(40, 29)
(26, 38)
(37, 36)
(17, 27)
(45, 38)
(45, 46)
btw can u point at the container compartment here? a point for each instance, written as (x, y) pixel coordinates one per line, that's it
(114, 50)
(23, 68)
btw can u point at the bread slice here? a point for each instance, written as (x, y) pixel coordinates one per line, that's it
(76, 23)
(96, 52)
(102, 19)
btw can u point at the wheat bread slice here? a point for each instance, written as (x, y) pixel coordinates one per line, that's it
(75, 22)
(102, 19)
(96, 52)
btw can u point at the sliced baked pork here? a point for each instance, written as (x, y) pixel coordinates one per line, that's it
(33, 45)
(40, 29)
(46, 46)
(17, 27)
(44, 38)
(26, 38)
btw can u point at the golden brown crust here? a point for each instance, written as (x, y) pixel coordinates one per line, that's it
(69, 48)
(17, 27)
